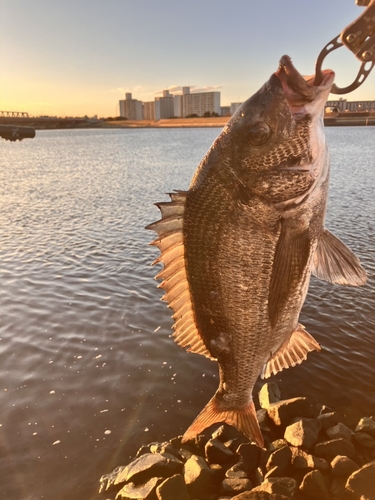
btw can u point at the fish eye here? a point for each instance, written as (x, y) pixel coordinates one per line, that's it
(259, 134)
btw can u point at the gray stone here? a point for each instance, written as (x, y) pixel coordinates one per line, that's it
(163, 448)
(173, 488)
(314, 486)
(362, 482)
(278, 443)
(269, 393)
(338, 490)
(284, 411)
(364, 439)
(305, 461)
(280, 458)
(303, 433)
(339, 430)
(250, 455)
(329, 419)
(234, 486)
(216, 452)
(366, 424)
(199, 478)
(144, 491)
(150, 464)
(107, 482)
(266, 491)
(275, 471)
(238, 471)
(288, 483)
(334, 447)
(265, 423)
(343, 466)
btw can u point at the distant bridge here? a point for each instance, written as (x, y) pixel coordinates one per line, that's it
(15, 114)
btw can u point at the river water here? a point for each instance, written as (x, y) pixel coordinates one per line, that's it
(88, 371)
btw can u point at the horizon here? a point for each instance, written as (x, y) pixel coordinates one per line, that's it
(80, 57)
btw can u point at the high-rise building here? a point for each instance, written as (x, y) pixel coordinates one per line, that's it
(164, 106)
(149, 110)
(198, 103)
(131, 109)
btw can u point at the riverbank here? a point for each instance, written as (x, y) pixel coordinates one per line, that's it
(41, 123)
(309, 453)
(330, 120)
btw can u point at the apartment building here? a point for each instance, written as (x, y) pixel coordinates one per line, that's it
(149, 110)
(198, 103)
(164, 106)
(130, 108)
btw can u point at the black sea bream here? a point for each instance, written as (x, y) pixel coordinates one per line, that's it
(239, 246)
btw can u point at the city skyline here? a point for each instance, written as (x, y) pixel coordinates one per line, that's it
(80, 57)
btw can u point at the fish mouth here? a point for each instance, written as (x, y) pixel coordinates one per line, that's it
(300, 90)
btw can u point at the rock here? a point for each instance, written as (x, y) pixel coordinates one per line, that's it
(269, 393)
(284, 411)
(278, 443)
(276, 471)
(343, 466)
(303, 433)
(366, 424)
(330, 449)
(250, 455)
(237, 471)
(314, 486)
(280, 458)
(144, 491)
(339, 430)
(364, 439)
(199, 478)
(362, 482)
(288, 483)
(338, 490)
(173, 488)
(266, 491)
(302, 460)
(163, 448)
(148, 465)
(329, 419)
(107, 482)
(216, 452)
(265, 423)
(259, 495)
(185, 454)
(234, 486)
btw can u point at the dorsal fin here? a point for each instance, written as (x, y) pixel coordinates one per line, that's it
(170, 242)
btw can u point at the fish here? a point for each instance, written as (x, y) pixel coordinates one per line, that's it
(239, 246)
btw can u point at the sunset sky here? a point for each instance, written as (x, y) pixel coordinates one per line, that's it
(79, 57)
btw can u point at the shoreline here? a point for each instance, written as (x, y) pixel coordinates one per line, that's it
(309, 452)
(330, 120)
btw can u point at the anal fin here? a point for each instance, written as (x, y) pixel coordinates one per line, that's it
(291, 352)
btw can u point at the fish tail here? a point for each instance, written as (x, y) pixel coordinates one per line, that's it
(243, 419)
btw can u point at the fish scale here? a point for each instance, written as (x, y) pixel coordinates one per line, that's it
(239, 246)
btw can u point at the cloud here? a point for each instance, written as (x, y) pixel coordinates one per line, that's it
(177, 89)
(206, 89)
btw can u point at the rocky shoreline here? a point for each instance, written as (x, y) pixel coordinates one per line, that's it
(310, 453)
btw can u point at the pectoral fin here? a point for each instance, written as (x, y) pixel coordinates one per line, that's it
(289, 267)
(292, 352)
(334, 262)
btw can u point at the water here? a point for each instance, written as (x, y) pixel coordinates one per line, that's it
(87, 369)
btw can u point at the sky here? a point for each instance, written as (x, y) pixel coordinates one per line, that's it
(79, 57)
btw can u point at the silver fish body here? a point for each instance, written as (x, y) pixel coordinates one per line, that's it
(240, 245)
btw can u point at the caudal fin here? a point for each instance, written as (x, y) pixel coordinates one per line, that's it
(244, 419)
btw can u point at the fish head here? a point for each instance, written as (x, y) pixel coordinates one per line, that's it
(277, 137)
